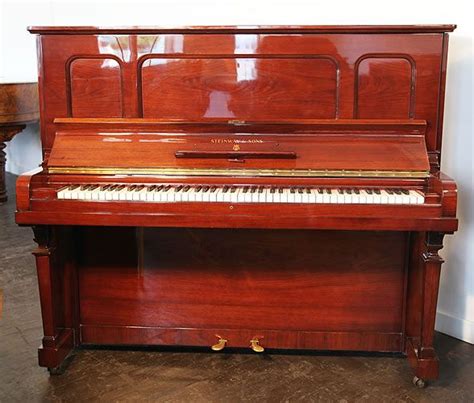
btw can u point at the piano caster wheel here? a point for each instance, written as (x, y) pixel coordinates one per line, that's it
(57, 370)
(418, 382)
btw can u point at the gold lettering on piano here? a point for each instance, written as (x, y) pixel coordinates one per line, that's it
(237, 141)
(236, 147)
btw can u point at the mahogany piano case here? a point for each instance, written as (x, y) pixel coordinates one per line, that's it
(241, 187)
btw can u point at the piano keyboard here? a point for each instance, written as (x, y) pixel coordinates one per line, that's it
(239, 194)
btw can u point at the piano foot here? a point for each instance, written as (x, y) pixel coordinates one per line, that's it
(425, 364)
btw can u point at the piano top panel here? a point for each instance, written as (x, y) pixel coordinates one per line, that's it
(242, 74)
(246, 29)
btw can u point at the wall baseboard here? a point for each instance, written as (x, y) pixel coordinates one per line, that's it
(456, 327)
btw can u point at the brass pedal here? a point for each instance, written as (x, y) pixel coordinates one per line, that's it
(220, 344)
(255, 345)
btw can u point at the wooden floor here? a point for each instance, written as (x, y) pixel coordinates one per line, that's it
(194, 376)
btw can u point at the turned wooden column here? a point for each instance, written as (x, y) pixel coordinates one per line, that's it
(18, 107)
(424, 297)
(432, 271)
(57, 297)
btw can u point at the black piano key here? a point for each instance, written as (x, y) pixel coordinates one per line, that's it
(349, 191)
(272, 190)
(205, 189)
(340, 191)
(186, 188)
(369, 191)
(389, 191)
(245, 189)
(377, 191)
(300, 190)
(292, 190)
(225, 189)
(198, 189)
(253, 189)
(356, 191)
(260, 189)
(233, 189)
(397, 191)
(320, 190)
(213, 189)
(405, 191)
(328, 191)
(178, 188)
(308, 190)
(280, 190)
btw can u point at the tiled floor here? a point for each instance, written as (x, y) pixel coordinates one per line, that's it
(172, 376)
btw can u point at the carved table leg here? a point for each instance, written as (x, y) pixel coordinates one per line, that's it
(6, 134)
(420, 350)
(58, 340)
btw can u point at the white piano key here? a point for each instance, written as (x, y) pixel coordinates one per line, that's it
(213, 195)
(248, 196)
(326, 197)
(355, 197)
(197, 195)
(220, 195)
(419, 198)
(227, 196)
(318, 196)
(234, 195)
(298, 197)
(277, 196)
(95, 193)
(142, 194)
(363, 197)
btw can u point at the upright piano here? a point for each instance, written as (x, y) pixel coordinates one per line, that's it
(241, 187)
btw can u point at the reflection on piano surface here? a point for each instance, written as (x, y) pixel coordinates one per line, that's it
(274, 186)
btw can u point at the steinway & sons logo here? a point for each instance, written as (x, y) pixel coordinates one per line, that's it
(236, 141)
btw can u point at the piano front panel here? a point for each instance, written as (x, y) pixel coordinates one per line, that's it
(317, 75)
(95, 88)
(243, 88)
(385, 84)
(285, 282)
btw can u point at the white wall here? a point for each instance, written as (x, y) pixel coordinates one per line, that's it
(18, 62)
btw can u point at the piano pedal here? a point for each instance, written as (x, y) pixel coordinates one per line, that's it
(220, 345)
(255, 345)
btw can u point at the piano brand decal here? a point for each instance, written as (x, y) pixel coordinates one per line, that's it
(237, 141)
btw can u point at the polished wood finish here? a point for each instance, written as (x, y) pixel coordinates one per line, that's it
(252, 151)
(18, 107)
(350, 107)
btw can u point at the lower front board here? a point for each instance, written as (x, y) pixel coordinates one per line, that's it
(340, 290)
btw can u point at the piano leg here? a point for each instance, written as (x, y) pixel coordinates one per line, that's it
(423, 298)
(57, 289)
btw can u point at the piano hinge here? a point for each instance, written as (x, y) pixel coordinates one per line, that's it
(305, 173)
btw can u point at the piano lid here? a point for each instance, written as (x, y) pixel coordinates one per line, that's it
(239, 154)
